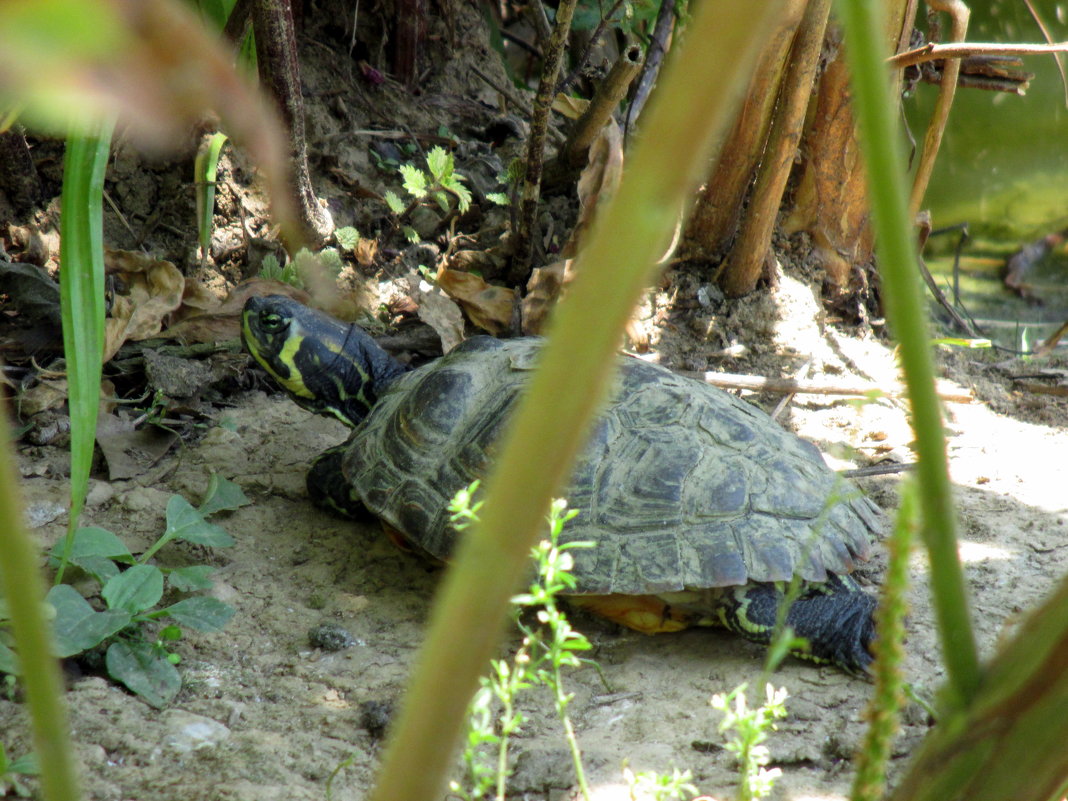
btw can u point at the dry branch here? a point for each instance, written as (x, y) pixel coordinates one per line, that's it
(793, 385)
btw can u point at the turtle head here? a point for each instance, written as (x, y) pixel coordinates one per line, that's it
(326, 366)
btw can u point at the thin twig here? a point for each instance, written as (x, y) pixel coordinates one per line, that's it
(955, 50)
(757, 383)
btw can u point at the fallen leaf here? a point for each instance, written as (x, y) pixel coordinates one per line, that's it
(598, 182)
(487, 306)
(130, 451)
(438, 311)
(221, 321)
(153, 289)
(570, 107)
(543, 290)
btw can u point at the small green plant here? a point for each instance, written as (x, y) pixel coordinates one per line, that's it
(347, 238)
(206, 168)
(546, 648)
(653, 786)
(305, 266)
(13, 773)
(750, 728)
(438, 183)
(273, 271)
(131, 589)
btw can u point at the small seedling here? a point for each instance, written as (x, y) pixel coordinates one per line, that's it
(653, 786)
(439, 183)
(13, 773)
(273, 271)
(545, 649)
(750, 728)
(347, 238)
(131, 589)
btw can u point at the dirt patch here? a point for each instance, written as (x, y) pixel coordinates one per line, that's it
(285, 715)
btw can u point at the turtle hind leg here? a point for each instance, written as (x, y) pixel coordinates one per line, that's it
(834, 617)
(329, 489)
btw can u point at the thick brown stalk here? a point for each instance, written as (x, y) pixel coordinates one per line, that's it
(276, 48)
(526, 224)
(605, 100)
(745, 264)
(720, 202)
(410, 16)
(958, 30)
(654, 57)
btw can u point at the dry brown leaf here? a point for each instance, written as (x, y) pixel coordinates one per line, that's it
(222, 321)
(543, 290)
(366, 251)
(487, 306)
(45, 394)
(438, 311)
(598, 182)
(570, 107)
(130, 451)
(153, 289)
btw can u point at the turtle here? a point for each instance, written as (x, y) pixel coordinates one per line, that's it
(701, 509)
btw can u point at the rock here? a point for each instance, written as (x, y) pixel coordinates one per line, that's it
(330, 637)
(186, 732)
(100, 492)
(41, 513)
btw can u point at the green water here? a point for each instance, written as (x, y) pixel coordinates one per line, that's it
(1003, 170)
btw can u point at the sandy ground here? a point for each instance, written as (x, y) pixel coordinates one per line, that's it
(286, 714)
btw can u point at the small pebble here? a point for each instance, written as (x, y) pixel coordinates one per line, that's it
(330, 637)
(41, 513)
(375, 717)
(187, 732)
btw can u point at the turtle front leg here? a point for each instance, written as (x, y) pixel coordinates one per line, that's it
(329, 489)
(835, 617)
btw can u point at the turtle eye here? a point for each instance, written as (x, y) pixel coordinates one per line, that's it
(271, 322)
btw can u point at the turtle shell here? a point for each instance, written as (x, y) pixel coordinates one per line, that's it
(682, 485)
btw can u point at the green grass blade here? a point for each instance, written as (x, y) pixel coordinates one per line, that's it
(24, 588)
(574, 371)
(206, 168)
(81, 284)
(905, 311)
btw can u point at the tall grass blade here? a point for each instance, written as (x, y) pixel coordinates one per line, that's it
(865, 48)
(81, 285)
(206, 168)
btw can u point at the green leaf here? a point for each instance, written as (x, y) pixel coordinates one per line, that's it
(414, 180)
(410, 233)
(186, 523)
(93, 541)
(201, 613)
(79, 627)
(82, 301)
(348, 238)
(396, 205)
(223, 495)
(439, 162)
(170, 633)
(25, 765)
(9, 662)
(463, 194)
(145, 671)
(500, 198)
(194, 577)
(442, 199)
(134, 590)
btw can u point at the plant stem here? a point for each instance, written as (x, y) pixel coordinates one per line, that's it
(24, 588)
(537, 451)
(861, 20)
